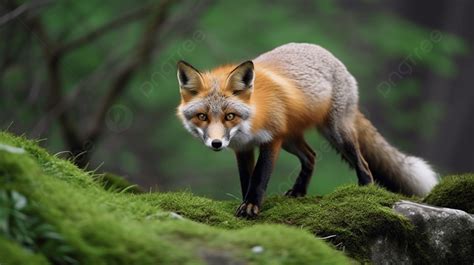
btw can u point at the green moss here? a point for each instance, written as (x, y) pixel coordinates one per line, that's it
(350, 217)
(96, 226)
(455, 191)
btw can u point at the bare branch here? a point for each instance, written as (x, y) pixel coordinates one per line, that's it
(99, 74)
(55, 97)
(60, 106)
(116, 23)
(144, 48)
(182, 24)
(53, 53)
(20, 10)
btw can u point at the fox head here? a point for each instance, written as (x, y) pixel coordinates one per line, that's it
(215, 105)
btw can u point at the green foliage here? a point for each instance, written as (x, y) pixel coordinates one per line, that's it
(18, 223)
(102, 227)
(455, 191)
(12, 253)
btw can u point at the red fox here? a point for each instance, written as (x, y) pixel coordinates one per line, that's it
(270, 101)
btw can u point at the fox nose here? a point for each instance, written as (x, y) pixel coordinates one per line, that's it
(216, 144)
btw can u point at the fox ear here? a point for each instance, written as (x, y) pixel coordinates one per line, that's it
(189, 78)
(241, 79)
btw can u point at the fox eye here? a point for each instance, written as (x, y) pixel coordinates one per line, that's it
(202, 116)
(229, 116)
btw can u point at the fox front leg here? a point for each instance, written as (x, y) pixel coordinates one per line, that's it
(250, 207)
(246, 164)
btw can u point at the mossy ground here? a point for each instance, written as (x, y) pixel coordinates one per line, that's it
(53, 212)
(455, 191)
(349, 218)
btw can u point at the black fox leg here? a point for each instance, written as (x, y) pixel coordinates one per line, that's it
(306, 155)
(246, 163)
(259, 180)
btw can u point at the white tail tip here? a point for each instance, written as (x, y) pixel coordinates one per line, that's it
(421, 177)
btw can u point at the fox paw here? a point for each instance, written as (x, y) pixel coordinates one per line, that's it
(295, 193)
(247, 210)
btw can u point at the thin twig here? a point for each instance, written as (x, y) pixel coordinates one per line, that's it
(106, 69)
(144, 49)
(114, 24)
(20, 10)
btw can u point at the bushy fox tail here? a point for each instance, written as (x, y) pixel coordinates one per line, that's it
(391, 168)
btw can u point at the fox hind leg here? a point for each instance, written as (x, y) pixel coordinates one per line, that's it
(298, 147)
(344, 140)
(352, 149)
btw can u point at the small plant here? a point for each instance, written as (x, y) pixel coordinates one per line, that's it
(19, 223)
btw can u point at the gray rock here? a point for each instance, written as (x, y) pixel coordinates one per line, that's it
(446, 235)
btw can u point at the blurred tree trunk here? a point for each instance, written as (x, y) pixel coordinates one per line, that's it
(452, 147)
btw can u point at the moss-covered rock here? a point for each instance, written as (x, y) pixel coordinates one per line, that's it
(455, 192)
(446, 236)
(78, 222)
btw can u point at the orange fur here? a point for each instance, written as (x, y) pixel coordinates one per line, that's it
(280, 106)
